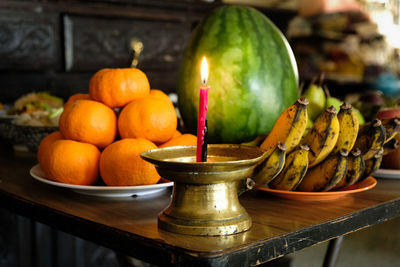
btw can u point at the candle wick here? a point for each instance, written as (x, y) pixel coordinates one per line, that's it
(204, 81)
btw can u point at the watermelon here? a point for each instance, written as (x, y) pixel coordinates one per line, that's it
(253, 75)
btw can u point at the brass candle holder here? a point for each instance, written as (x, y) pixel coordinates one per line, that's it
(205, 195)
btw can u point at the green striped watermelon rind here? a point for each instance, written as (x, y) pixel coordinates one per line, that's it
(252, 74)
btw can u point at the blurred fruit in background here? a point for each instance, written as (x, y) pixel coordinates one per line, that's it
(319, 99)
(333, 101)
(392, 160)
(369, 103)
(388, 84)
(360, 117)
(316, 98)
(388, 113)
(349, 42)
(37, 109)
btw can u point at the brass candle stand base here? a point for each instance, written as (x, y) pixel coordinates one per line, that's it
(205, 195)
(205, 209)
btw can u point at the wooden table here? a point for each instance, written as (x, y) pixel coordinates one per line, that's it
(129, 225)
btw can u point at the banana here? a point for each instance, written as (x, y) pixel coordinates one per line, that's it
(322, 137)
(370, 139)
(288, 128)
(392, 128)
(296, 165)
(327, 174)
(256, 141)
(372, 164)
(348, 128)
(270, 167)
(390, 145)
(355, 169)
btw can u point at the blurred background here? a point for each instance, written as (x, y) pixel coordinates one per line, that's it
(56, 46)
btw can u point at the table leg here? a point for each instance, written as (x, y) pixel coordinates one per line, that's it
(54, 247)
(33, 242)
(332, 252)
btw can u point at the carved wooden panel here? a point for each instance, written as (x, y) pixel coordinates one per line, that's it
(192, 5)
(29, 40)
(93, 43)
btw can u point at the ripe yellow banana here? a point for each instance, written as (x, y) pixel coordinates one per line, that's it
(391, 127)
(355, 169)
(348, 128)
(296, 165)
(370, 139)
(322, 137)
(327, 174)
(288, 128)
(390, 145)
(271, 167)
(372, 164)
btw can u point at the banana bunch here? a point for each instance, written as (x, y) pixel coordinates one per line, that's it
(371, 138)
(288, 128)
(326, 175)
(390, 145)
(372, 164)
(295, 168)
(392, 127)
(348, 128)
(322, 137)
(271, 167)
(356, 167)
(336, 152)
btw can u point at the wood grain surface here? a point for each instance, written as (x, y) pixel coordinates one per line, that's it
(129, 225)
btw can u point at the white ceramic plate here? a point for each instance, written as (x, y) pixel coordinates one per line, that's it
(387, 173)
(103, 191)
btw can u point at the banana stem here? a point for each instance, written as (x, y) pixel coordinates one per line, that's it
(137, 47)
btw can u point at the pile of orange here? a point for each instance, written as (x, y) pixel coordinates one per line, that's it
(97, 142)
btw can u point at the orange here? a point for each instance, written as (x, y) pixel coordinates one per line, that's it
(121, 164)
(159, 94)
(117, 87)
(176, 134)
(72, 162)
(45, 143)
(182, 140)
(75, 97)
(150, 118)
(89, 121)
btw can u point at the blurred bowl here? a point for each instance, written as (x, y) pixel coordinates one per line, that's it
(7, 127)
(31, 136)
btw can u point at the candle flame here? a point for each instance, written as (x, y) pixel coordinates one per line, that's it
(204, 70)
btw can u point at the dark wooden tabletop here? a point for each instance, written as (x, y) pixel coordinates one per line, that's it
(129, 225)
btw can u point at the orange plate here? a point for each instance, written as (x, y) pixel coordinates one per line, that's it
(364, 185)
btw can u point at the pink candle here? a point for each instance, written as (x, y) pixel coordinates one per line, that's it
(201, 152)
